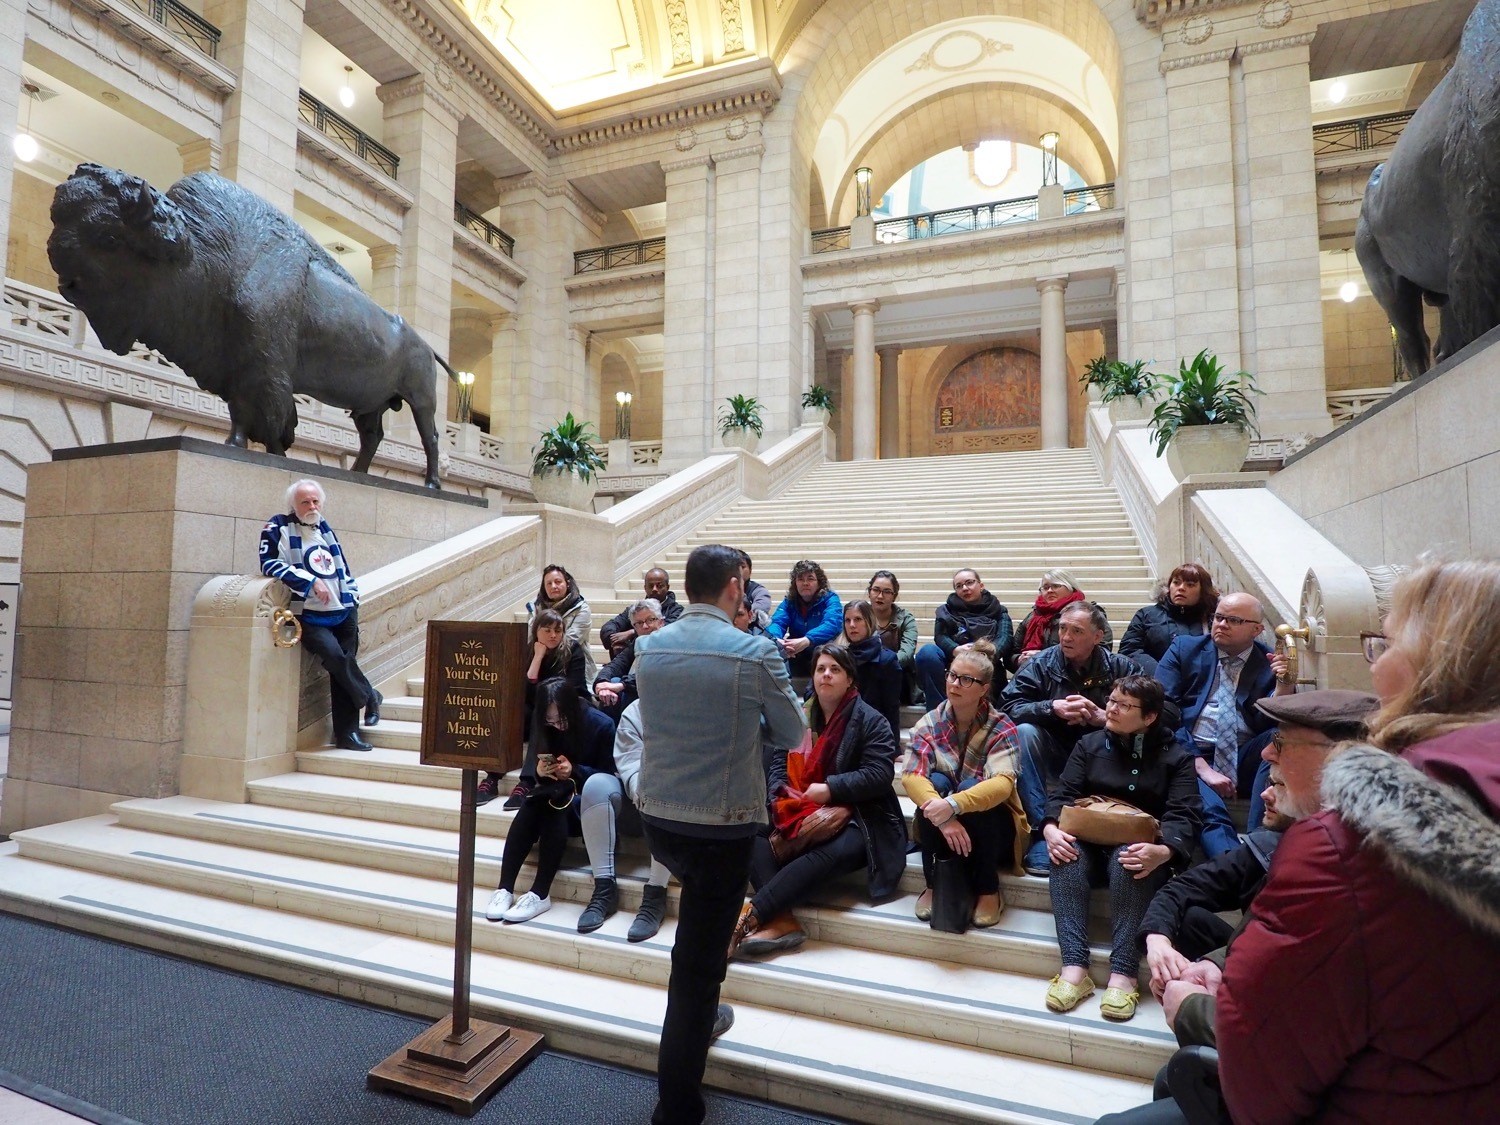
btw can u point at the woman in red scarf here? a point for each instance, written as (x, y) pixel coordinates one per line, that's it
(836, 790)
(1039, 627)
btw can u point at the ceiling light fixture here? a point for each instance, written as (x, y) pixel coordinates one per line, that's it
(25, 145)
(346, 91)
(1338, 91)
(1349, 291)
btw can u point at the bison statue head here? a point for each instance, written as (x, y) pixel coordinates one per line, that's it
(110, 233)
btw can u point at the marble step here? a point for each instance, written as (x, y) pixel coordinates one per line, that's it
(850, 1069)
(958, 1003)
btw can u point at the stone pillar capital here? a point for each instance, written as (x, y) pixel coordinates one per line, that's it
(889, 351)
(865, 308)
(422, 94)
(1055, 284)
(385, 256)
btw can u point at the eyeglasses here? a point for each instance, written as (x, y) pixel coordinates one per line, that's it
(1226, 619)
(1050, 587)
(881, 590)
(1375, 645)
(962, 583)
(1120, 704)
(965, 681)
(1281, 742)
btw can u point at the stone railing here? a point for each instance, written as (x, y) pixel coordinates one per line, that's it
(49, 345)
(1250, 541)
(643, 454)
(1345, 406)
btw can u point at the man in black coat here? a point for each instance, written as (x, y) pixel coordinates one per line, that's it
(614, 686)
(617, 632)
(1055, 699)
(971, 613)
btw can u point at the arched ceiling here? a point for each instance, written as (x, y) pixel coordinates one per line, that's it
(968, 114)
(575, 52)
(994, 50)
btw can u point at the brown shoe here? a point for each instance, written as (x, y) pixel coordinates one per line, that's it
(924, 905)
(987, 910)
(747, 925)
(778, 935)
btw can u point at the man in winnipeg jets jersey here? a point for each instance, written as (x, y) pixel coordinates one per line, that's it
(301, 550)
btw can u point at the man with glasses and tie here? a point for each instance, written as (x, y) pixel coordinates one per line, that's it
(1216, 682)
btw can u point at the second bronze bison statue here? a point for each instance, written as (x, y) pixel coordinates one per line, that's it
(243, 300)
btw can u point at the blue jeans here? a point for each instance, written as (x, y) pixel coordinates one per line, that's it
(1219, 834)
(932, 672)
(1038, 747)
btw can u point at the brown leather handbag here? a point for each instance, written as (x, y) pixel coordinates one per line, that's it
(817, 827)
(1104, 820)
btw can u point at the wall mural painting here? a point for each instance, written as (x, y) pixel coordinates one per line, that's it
(997, 389)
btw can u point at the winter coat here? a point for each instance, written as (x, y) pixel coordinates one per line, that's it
(1012, 662)
(577, 616)
(1228, 882)
(1366, 985)
(957, 622)
(878, 677)
(618, 671)
(1157, 778)
(861, 779)
(900, 636)
(671, 610)
(819, 622)
(1048, 676)
(1153, 629)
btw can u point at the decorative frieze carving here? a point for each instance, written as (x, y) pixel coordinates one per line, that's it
(418, 85)
(1224, 54)
(1260, 47)
(1274, 13)
(678, 32)
(958, 50)
(733, 26)
(754, 102)
(356, 186)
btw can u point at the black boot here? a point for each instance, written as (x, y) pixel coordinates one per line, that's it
(372, 710)
(352, 741)
(605, 901)
(653, 910)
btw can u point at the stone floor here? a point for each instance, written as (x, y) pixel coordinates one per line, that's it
(18, 1110)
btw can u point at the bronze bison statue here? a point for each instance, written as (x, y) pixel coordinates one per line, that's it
(243, 300)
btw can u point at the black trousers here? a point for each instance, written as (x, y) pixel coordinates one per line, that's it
(778, 889)
(990, 833)
(1201, 932)
(713, 875)
(536, 822)
(336, 647)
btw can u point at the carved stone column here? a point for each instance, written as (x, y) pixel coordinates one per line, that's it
(688, 287)
(863, 409)
(1054, 331)
(890, 402)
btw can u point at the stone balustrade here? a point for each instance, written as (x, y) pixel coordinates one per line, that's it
(1345, 406)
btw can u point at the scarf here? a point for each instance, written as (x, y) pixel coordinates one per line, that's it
(866, 650)
(809, 764)
(1043, 615)
(563, 605)
(990, 750)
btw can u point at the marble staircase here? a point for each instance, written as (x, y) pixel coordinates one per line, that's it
(340, 876)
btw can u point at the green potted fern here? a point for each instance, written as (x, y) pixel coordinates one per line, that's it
(817, 404)
(1129, 390)
(1206, 419)
(741, 422)
(565, 464)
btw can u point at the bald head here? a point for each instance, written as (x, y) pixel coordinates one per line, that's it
(1238, 620)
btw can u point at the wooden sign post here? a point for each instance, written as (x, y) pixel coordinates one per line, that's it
(473, 718)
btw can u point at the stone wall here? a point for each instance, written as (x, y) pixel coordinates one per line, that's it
(1357, 342)
(26, 254)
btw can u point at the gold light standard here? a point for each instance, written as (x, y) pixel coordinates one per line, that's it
(622, 414)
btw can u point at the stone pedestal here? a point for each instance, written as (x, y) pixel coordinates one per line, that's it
(120, 539)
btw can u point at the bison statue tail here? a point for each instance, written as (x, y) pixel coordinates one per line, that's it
(1471, 166)
(452, 374)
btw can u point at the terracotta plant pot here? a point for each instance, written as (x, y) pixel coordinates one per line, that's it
(1200, 450)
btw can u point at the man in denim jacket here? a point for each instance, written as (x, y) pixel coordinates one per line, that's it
(709, 695)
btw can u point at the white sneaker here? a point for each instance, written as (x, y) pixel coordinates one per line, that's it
(527, 907)
(499, 903)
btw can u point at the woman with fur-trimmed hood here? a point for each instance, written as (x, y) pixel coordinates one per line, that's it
(1366, 986)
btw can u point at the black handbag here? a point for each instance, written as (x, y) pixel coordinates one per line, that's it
(952, 895)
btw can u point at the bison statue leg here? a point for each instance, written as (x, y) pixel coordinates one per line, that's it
(371, 430)
(1400, 298)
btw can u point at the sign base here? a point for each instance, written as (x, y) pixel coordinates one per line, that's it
(460, 1075)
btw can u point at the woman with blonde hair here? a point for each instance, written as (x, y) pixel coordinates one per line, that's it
(1366, 984)
(1038, 629)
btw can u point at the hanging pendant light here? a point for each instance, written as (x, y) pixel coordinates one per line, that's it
(346, 91)
(1349, 291)
(25, 145)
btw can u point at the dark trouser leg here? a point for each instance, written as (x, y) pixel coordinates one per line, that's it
(932, 668)
(1128, 899)
(1070, 884)
(1257, 802)
(336, 648)
(552, 842)
(801, 664)
(1201, 932)
(795, 883)
(520, 838)
(987, 836)
(713, 875)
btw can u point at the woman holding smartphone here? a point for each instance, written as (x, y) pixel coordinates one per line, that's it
(571, 741)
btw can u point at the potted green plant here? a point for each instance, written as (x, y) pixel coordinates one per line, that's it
(1128, 391)
(564, 463)
(1206, 419)
(817, 404)
(1095, 377)
(740, 422)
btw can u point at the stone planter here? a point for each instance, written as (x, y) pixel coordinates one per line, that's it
(565, 490)
(747, 440)
(1130, 410)
(1094, 392)
(817, 415)
(1200, 450)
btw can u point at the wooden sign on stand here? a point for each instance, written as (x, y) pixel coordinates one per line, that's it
(473, 718)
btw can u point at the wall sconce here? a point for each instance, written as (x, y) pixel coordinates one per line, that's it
(346, 91)
(25, 146)
(622, 414)
(862, 177)
(465, 397)
(1048, 142)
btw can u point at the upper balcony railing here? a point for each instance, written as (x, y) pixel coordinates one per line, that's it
(481, 228)
(965, 220)
(344, 132)
(182, 23)
(1359, 136)
(599, 258)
